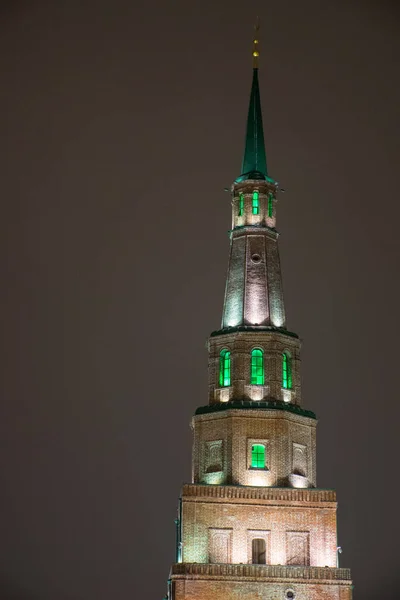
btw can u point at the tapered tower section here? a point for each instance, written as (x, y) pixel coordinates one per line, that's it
(253, 524)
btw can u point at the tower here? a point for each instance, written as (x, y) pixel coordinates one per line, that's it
(253, 524)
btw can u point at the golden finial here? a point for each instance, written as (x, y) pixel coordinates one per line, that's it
(256, 53)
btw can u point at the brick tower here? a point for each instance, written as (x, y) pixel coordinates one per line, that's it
(252, 524)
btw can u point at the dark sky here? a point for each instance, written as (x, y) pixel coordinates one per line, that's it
(120, 127)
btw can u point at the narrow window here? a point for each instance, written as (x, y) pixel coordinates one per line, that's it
(258, 456)
(257, 367)
(258, 551)
(299, 460)
(286, 371)
(219, 545)
(297, 548)
(213, 456)
(241, 205)
(255, 204)
(270, 205)
(225, 368)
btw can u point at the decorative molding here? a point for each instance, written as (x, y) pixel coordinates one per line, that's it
(255, 329)
(200, 570)
(256, 393)
(299, 460)
(267, 407)
(223, 394)
(298, 548)
(219, 544)
(289, 495)
(298, 481)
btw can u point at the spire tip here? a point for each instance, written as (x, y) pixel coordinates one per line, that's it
(256, 53)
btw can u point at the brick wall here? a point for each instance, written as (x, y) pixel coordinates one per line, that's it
(278, 516)
(282, 433)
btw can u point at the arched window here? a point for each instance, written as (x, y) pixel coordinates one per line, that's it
(257, 367)
(286, 371)
(258, 456)
(225, 368)
(255, 204)
(241, 205)
(258, 551)
(270, 205)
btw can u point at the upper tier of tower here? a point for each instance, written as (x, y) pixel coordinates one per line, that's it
(254, 294)
(253, 357)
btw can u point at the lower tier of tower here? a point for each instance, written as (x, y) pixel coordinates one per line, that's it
(258, 525)
(193, 581)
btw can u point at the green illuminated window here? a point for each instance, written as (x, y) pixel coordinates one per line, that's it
(286, 371)
(258, 456)
(225, 368)
(241, 205)
(255, 204)
(270, 205)
(257, 367)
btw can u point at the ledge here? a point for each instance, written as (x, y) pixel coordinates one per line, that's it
(255, 329)
(275, 572)
(256, 227)
(245, 492)
(255, 404)
(255, 176)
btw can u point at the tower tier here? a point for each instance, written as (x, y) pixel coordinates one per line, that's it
(220, 524)
(239, 445)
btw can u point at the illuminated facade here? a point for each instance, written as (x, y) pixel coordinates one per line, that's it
(253, 524)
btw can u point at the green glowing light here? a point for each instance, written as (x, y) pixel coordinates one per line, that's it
(241, 205)
(257, 367)
(270, 205)
(225, 368)
(258, 456)
(255, 204)
(286, 371)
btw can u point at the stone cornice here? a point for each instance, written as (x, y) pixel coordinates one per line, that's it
(249, 184)
(254, 230)
(261, 572)
(254, 329)
(266, 495)
(267, 408)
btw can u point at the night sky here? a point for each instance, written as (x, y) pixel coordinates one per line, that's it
(120, 127)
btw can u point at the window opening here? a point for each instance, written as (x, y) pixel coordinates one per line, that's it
(255, 204)
(258, 456)
(286, 371)
(241, 205)
(225, 368)
(270, 205)
(257, 367)
(258, 551)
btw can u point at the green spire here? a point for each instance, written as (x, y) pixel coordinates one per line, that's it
(254, 164)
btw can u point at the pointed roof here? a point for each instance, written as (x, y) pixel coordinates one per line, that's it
(254, 164)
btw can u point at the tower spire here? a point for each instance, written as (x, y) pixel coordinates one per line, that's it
(254, 164)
